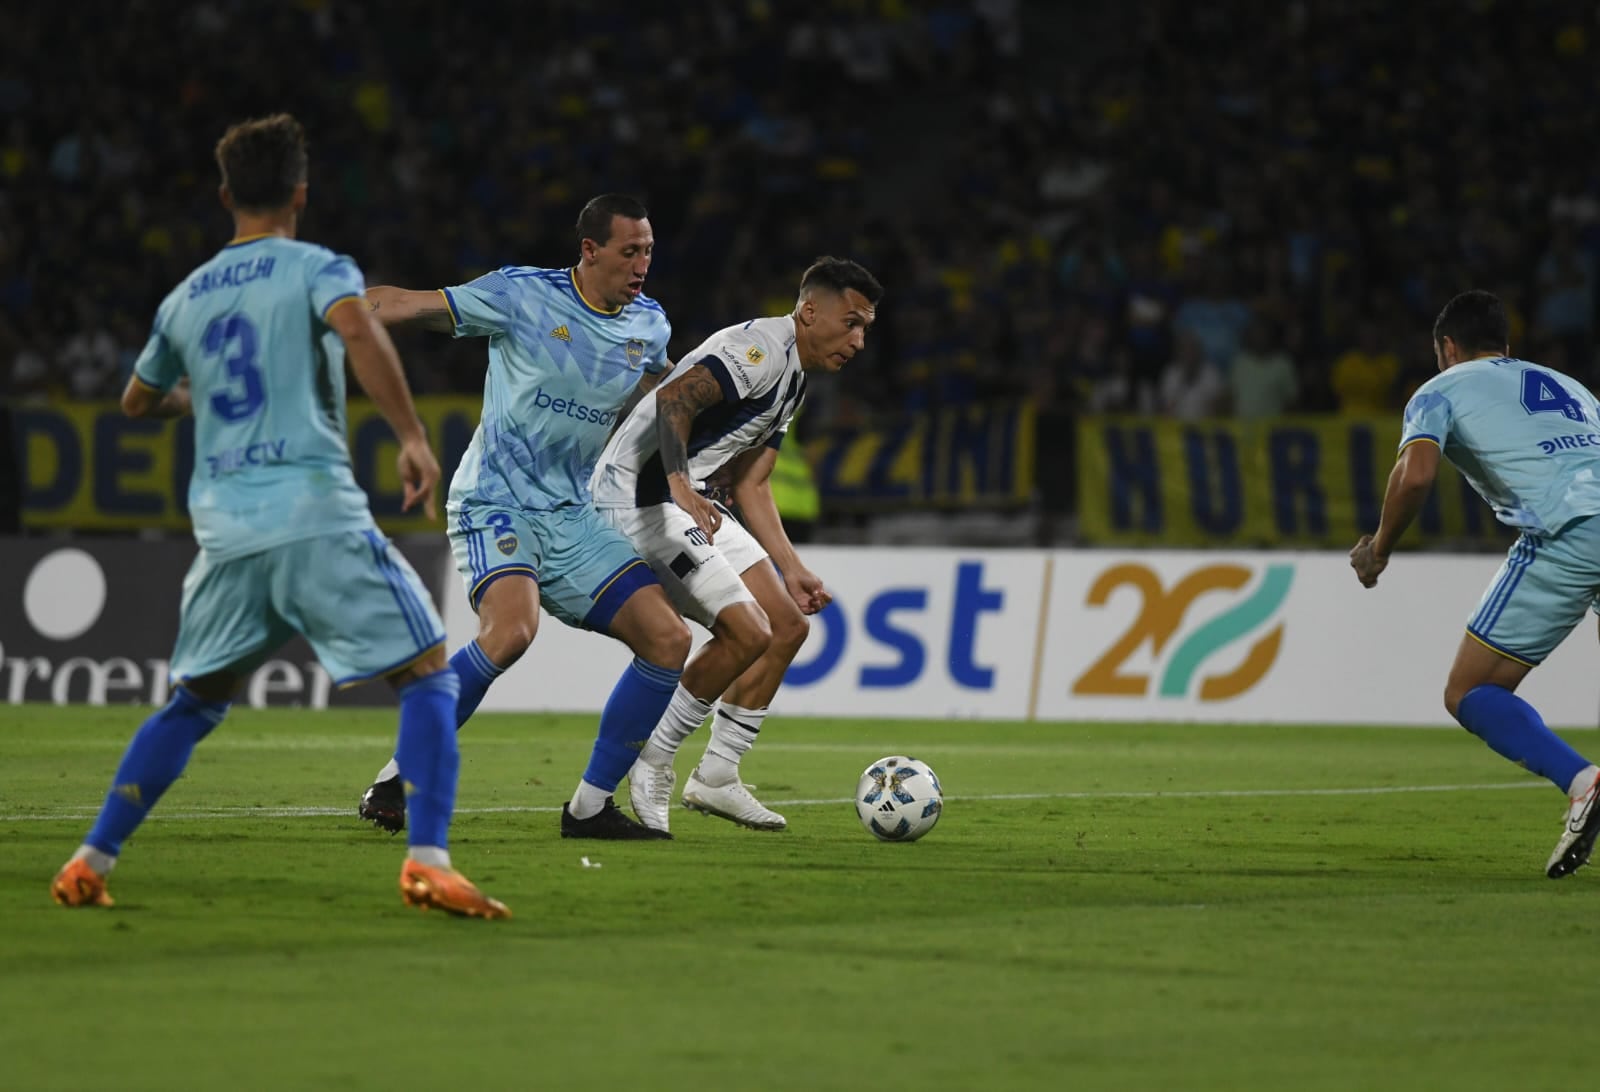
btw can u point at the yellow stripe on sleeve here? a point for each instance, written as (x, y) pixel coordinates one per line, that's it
(450, 305)
(342, 299)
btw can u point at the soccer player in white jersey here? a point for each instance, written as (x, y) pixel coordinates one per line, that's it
(568, 350)
(254, 343)
(1528, 440)
(723, 413)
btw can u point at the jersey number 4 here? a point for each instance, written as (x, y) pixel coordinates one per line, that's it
(244, 395)
(1542, 394)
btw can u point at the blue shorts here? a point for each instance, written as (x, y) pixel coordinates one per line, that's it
(1540, 593)
(585, 568)
(350, 594)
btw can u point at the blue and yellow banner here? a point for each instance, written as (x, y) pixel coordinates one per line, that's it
(1292, 481)
(973, 455)
(85, 466)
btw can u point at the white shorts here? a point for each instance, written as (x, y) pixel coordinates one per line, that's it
(701, 579)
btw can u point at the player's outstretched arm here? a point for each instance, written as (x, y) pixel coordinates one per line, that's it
(397, 306)
(139, 399)
(677, 405)
(751, 491)
(376, 365)
(1409, 484)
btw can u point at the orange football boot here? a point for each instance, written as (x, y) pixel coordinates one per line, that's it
(429, 888)
(79, 885)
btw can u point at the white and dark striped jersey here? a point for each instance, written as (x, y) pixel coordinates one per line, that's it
(762, 386)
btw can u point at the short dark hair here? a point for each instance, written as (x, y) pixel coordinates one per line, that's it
(1475, 321)
(262, 161)
(594, 222)
(839, 275)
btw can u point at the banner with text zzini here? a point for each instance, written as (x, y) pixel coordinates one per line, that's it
(85, 466)
(949, 458)
(1292, 480)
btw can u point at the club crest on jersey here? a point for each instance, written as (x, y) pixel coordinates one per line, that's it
(754, 354)
(561, 333)
(635, 350)
(506, 545)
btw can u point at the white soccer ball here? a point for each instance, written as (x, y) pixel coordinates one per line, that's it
(898, 799)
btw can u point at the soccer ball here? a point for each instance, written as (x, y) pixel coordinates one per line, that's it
(899, 799)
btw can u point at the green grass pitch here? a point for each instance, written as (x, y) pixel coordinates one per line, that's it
(1101, 906)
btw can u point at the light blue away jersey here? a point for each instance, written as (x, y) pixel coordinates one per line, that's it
(1526, 437)
(559, 370)
(266, 374)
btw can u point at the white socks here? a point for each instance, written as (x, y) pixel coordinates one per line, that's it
(101, 862)
(588, 801)
(733, 732)
(684, 715)
(1580, 783)
(389, 772)
(432, 856)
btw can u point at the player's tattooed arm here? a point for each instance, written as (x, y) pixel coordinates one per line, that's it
(677, 405)
(397, 306)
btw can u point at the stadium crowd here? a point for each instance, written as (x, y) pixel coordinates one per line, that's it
(1188, 209)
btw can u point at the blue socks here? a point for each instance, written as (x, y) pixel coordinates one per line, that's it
(1514, 729)
(156, 756)
(630, 715)
(428, 757)
(160, 750)
(476, 671)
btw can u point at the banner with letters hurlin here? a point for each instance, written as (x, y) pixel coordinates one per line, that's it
(84, 466)
(1290, 481)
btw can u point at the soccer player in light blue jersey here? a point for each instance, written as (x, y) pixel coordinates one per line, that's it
(1528, 440)
(254, 343)
(569, 351)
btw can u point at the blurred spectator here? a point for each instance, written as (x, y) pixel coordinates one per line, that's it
(1192, 386)
(1212, 312)
(1363, 376)
(1262, 377)
(1566, 278)
(1150, 300)
(29, 372)
(90, 360)
(1116, 391)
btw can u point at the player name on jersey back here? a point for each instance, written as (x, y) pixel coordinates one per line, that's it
(230, 276)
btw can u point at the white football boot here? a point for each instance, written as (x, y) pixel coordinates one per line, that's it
(732, 801)
(1583, 823)
(650, 792)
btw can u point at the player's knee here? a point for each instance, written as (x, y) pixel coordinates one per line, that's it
(789, 632)
(1453, 693)
(504, 639)
(750, 633)
(665, 643)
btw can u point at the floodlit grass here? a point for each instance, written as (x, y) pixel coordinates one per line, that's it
(1101, 906)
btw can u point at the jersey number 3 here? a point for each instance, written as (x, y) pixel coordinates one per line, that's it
(244, 395)
(1542, 394)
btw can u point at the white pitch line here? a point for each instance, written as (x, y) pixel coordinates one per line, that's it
(1194, 794)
